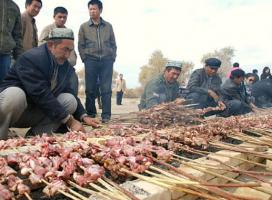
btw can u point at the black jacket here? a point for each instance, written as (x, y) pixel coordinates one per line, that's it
(199, 82)
(231, 91)
(33, 72)
(262, 88)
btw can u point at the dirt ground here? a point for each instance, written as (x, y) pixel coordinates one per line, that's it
(128, 105)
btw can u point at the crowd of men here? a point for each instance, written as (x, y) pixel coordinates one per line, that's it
(40, 90)
(240, 93)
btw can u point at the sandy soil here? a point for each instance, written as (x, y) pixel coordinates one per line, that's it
(128, 105)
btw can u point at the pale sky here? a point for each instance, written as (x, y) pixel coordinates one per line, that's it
(181, 29)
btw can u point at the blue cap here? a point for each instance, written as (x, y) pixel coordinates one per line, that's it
(213, 62)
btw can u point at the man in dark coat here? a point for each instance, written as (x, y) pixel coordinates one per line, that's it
(234, 95)
(37, 92)
(204, 84)
(262, 92)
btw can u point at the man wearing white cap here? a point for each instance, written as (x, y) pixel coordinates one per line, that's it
(37, 92)
(163, 88)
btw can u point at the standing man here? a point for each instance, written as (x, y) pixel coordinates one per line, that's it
(30, 31)
(204, 84)
(120, 89)
(60, 18)
(97, 49)
(10, 35)
(163, 88)
(36, 92)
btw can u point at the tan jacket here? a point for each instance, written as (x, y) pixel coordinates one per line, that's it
(120, 85)
(30, 31)
(44, 37)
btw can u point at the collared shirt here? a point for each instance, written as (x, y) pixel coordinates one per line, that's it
(30, 31)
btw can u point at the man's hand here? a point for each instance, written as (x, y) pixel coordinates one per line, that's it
(221, 105)
(91, 122)
(75, 125)
(213, 95)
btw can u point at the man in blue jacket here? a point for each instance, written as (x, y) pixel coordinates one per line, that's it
(37, 92)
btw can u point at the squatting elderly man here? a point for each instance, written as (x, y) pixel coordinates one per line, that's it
(204, 84)
(163, 88)
(36, 92)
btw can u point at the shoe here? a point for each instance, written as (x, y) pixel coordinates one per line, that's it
(105, 120)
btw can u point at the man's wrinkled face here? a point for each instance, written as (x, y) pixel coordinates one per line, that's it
(61, 51)
(210, 71)
(94, 11)
(60, 19)
(171, 75)
(34, 8)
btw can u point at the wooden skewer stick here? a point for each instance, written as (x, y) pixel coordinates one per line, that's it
(232, 157)
(77, 194)
(88, 191)
(61, 191)
(182, 189)
(129, 194)
(215, 190)
(27, 196)
(106, 192)
(112, 189)
(240, 149)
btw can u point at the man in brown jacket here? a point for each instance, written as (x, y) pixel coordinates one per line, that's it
(97, 49)
(120, 89)
(30, 31)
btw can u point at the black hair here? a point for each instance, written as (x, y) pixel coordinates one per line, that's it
(237, 73)
(250, 75)
(96, 2)
(264, 69)
(254, 71)
(236, 64)
(172, 67)
(29, 2)
(60, 9)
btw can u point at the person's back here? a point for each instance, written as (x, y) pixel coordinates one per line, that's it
(262, 92)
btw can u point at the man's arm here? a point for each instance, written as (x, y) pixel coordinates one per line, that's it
(44, 35)
(81, 43)
(38, 90)
(17, 36)
(194, 84)
(152, 96)
(113, 43)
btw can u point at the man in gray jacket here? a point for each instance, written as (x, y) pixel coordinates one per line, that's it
(10, 35)
(97, 49)
(204, 84)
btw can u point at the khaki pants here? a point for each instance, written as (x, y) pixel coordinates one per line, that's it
(15, 112)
